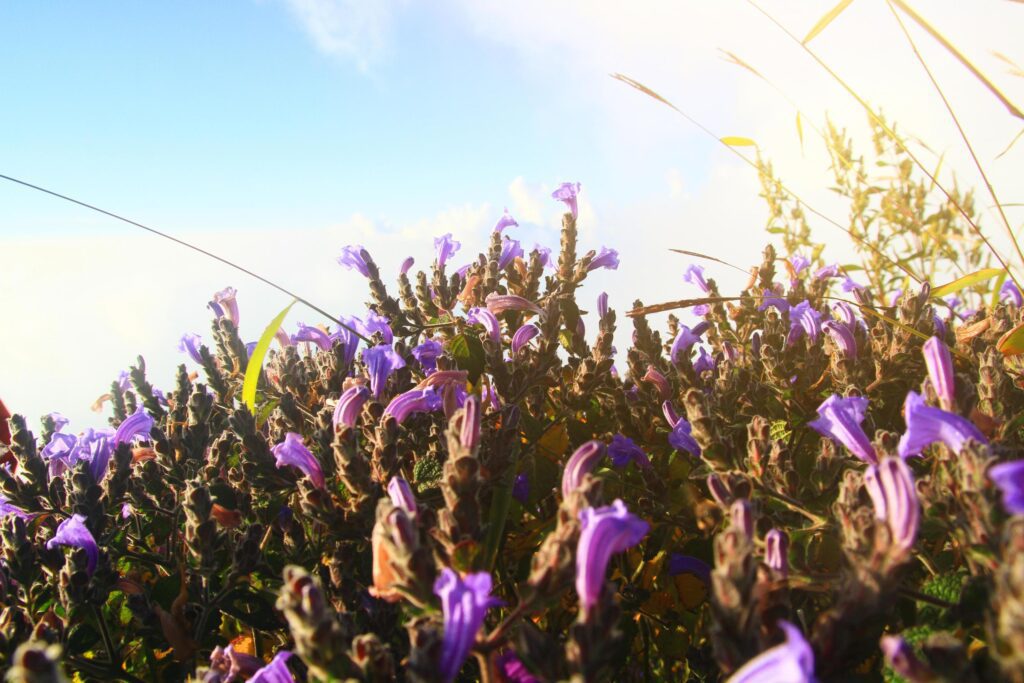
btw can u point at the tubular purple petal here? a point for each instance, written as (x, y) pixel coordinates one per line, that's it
(681, 439)
(685, 564)
(940, 371)
(718, 489)
(705, 362)
(580, 463)
(506, 221)
(381, 361)
(791, 661)
(464, 603)
(6, 508)
(804, 320)
(137, 425)
(741, 516)
(469, 435)
(659, 381)
(927, 424)
(566, 193)
(685, 339)
(799, 263)
(275, 672)
(776, 551)
(352, 258)
(293, 452)
(606, 258)
(839, 419)
(427, 354)
(903, 661)
(842, 337)
(602, 305)
(401, 495)
(413, 401)
(94, 446)
(513, 670)
(406, 265)
(446, 247)
(623, 450)
(350, 405)
(523, 336)
(694, 275)
(484, 317)
(770, 298)
(73, 533)
(226, 300)
(604, 532)
(826, 272)
(189, 343)
(845, 313)
(521, 488)
(1009, 293)
(500, 303)
(1009, 477)
(891, 488)
(510, 249)
(544, 253)
(670, 413)
(314, 335)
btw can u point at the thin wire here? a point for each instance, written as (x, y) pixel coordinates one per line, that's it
(183, 243)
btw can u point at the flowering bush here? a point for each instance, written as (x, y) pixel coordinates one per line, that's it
(463, 484)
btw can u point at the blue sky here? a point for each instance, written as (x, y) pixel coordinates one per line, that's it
(276, 131)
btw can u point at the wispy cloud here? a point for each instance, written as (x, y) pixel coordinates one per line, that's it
(348, 29)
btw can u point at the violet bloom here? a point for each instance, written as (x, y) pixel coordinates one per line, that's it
(413, 401)
(567, 192)
(580, 463)
(189, 343)
(61, 453)
(350, 405)
(799, 263)
(701, 310)
(839, 419)
(686, 564)
(671, 416)
(776, 551)
(927, 424)
(1009, 477)
(506, 221)
(1010, 294)
(427, 354)
(842, 337)
(694, 274)
(275, 672)
(903, 661)
(401, 495)
(803, 320)
(773, 298)
(606, 258)
(237, 665)
(891, 488)
(349, 341)
(484, 317)
(685, 340)
(375, 323)
(791, 661)
(469, 434)
(705, 361)
(940, 327)
(845, 313)
(406, 265)
(510, 249)
(352, 258)
(659, 381)
(523, 336)
(95, 447)
(6, 508)
(225, 303)
(940, 370)
(500, 303)
(849, 285)
(513, 670)
(249, 348)
(544, 254)
(681, 439)
(521, 488)
(292, 452)
(623, 449)
(283, 338)
(464, 603)
(604, 531)
(307, 333)
(73, 533)
(381, 361)
(446, 248)
(894, 299)
(137, 425)
(826, 272)
(602, 305)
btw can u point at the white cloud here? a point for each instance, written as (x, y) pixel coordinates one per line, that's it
(348, 29)
(526, 204)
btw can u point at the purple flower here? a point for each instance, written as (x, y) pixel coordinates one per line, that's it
(849, 285)
(940, 370)
(249, 348)
(95, 447)
(513, 670)
(791, 661)
(660, 382)
(374, 323)
(686, 564)
(500, 303)
(580, 463)
(604, 531)
(349, 341)
(803, 320)
(523, 336)
(705, 361)
(282, 337)
(902, 660)
(275, 672)
(381, 361)
(927, 424)
(506, 221)
(567, 192)
(845, 313)
(237, 665)
(126, 510)
(413, 401)
(685, 340)
(602, 305)
(521, 488)
(406, 265)
(701, 309)
(464, 603)
(427, 354)
(481, 316)
(315, 335)
(694, 274)
(670, 413)
(891, 487)
(510, 249)
(401, 495)
(1009, 293)
(446, 247)
(770, 298)
(225, 303)
(7, 509)
(61, 453)
(839, 419)
(294, 453)
(826, 272)
(73, 533)
(894, 299)
(680, 438)
(741, 517)
(189, 343)
(138, 424)
(350, 405)
(799, 263)
(607, 258)
(59, 421)
(544, 254)
(1009, 477)
(842, 337)
(469, 434)
(776, 551)
(352, 258)
(622, 450)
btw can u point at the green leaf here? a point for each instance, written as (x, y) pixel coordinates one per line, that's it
(468, 353)
(501, 502)
(800, 132)
(969, 280)
(996, 289)
(1012, 343)
(826, 20)
(736, 141)
(252, 371)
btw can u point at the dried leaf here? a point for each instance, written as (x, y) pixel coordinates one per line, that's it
(826, 20)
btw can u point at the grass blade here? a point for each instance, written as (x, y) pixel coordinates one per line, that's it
(736, 141)
(252, 370)
(969, 280)
(827, 19)
(1012, 343)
